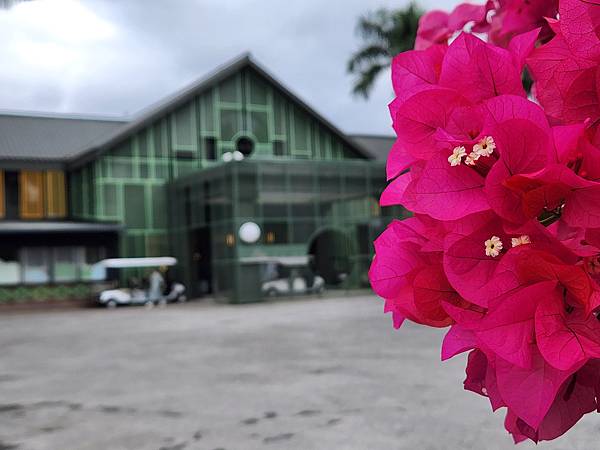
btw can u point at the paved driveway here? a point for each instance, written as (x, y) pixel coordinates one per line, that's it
(311, 374)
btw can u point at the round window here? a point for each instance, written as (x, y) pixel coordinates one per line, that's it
(245, 146)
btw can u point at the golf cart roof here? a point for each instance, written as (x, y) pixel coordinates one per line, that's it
(122, 263)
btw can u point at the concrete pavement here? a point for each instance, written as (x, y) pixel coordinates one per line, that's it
(326, 374)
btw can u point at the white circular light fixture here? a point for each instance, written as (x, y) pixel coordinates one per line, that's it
(238, 156)
(227, 156)
(249, 232)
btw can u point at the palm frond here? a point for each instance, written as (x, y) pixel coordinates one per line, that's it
(385, 33)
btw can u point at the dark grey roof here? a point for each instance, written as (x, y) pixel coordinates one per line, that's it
(50, 137)
(376, 146)
(18, 227)
(172, 102)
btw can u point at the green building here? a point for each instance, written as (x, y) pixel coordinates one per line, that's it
(234, 175)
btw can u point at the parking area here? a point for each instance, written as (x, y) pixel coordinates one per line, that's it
(321, 374)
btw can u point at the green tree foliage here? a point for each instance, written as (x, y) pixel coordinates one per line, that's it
(385, 34)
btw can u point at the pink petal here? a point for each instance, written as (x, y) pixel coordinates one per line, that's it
(479, 70)
(457, 340)
(444, 192)
(521, 46)
(508, 330)
(417, 120)
(529, 392)
(416, 70)
(565, 340)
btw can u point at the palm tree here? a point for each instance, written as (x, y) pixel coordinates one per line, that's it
(386, 33)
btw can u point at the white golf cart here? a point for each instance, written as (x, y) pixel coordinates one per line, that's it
(289, 275)
(137, 295)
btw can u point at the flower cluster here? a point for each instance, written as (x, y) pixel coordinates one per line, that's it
(504, 243)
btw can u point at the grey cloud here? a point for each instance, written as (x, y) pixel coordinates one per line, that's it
(158, 46)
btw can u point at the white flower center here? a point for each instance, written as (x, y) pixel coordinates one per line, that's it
(521, 240)
(457, 155)
(493, 246)
(485, 147)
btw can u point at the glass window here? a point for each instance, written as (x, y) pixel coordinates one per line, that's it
(36, 267)
(260, 126)
(228, 90)
(302, 232)
(111, 206)
(122, 169)
(210, 146)
(88, 258)
(144, 171)
(279, 115)
(275, 233)
(183, 125)
(124, 149)
(55, 194)
(10, 268)
(2, 207)
(301, 131)
(209, 112)
(134, 202)
(65, 264)
(229, 124)
(160, 148)
(159, 207)
(161, 171)
(258, 91)
(278, 148)
(31, 195)
(142, 144)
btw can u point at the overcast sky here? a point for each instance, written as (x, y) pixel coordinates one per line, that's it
(115, 57)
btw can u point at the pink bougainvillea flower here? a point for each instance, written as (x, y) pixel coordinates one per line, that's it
(565, 69)
(504, 244)
(412, 281)
(437, 27)
(514, 17)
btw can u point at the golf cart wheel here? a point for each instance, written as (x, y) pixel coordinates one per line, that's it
(111, 304)
(149, 304)
(272, 293)
(182, 299)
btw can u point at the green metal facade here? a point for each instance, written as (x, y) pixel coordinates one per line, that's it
(295, 156)
(295, 203)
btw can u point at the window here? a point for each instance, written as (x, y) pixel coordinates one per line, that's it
(111, 207)
(2, 207)
(260, 126)
(275, 233)
(229, 124)
(11, 194)
(55, 194)
(10, 268)
(31, 195)
(210, 146)
(134, 201)
(36, 267)
(88, 257)
(278, 148)
(65, 264)
(245, 146)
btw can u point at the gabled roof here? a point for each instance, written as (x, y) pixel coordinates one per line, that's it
(178, 99)
(377, 146)
(44, 137)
